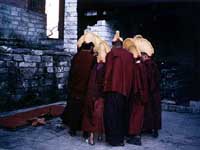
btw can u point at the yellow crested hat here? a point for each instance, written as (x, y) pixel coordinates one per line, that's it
(143, 45)
(80, 41)
(117, 37)
(89, 37)
(130, 45)
(103, 49)
(97, 40)
(136, 53)
(128, 42)
(138, 36)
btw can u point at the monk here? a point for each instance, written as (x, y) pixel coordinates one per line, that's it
(94, 103)
(118, 78)
(137, 99)
(152, 115)
(81, 66)
(152, 118)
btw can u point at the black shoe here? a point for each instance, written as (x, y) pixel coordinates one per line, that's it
(155, 133)
(72, 132)
(136, 140)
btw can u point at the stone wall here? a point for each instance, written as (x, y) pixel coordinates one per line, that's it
(18, 3)
(21, 24)
(32, 77)
(104, 29)
(70, 26)
(176, 82)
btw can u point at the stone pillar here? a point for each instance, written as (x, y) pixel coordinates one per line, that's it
(70, 26)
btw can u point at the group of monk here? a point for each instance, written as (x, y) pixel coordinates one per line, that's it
(113, 91)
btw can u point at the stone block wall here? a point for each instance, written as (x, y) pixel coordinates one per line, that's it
(18, 3)
(104, 29)
(32, 77)
(21, 24)
(70, 26)
(176, 82)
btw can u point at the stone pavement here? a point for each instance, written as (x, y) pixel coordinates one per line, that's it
(180, 132)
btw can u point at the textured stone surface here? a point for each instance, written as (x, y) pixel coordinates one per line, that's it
(20, 24)
(104, 29)
(176, 81)
(32, 77)
(32, 58)
(51, 137)
(71, 22)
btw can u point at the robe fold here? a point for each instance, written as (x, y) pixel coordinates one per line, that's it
(94, 102)
(81, 67)
(152, 115)
(138, 98)
(118, 78)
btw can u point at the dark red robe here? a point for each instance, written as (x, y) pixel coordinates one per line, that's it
(81, 67)
(118, 72)
(118, 78)
(94, 102)
(138, 98)
(152, 116)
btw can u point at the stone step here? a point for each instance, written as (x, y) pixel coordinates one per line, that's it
(193, 107)
(11, 113)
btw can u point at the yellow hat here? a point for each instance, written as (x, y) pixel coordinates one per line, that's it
(138, 36)
(128, 42)
(104, 45)
(80, 41)
(103, 49)
(117, 37)
(136, 53)
(130, 45)
(143, 45)
(97, 40)
(89, 37)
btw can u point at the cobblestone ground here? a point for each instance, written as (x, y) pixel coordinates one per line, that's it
(180, 131)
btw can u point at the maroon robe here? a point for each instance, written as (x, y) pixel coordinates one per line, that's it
(94, 103)
(118, 74)
(118, 78)
(81, 67)
(152, 116)
(138, 99)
